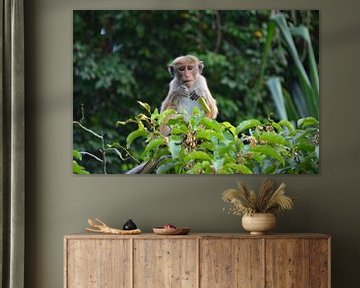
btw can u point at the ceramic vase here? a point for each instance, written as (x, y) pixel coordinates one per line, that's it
(259, 223)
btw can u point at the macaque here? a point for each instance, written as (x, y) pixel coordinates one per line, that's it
(186, 89)
(187, 86)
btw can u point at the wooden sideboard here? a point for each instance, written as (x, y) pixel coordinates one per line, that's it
(197, 260)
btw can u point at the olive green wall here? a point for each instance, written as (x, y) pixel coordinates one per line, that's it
(58, 203)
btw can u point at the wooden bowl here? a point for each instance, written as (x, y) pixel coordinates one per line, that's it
(171, 231)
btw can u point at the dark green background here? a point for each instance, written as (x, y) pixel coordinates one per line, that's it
(58, 203)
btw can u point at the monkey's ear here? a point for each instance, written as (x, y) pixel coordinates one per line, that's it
(201, 67)
(171, 69)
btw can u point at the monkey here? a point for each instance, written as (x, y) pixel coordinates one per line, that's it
(187, 86)
(185, 89)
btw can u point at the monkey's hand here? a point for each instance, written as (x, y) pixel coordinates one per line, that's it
(182, 91)
(196, 94)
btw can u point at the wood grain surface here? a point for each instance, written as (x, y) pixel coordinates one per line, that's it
(98, 263)
(229, 263)
(165, 263)
(287, 263)
(320, 259)
(204, 260)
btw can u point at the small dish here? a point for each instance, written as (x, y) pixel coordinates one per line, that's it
(171, 231)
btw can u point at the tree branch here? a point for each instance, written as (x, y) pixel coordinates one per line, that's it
(91, 155)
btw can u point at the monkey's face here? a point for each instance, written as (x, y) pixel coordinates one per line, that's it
(186, 73)
(186, 69)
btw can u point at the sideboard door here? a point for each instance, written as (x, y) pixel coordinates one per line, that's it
(93, 263)
(168, 263)
(297, 263)
(231, 263)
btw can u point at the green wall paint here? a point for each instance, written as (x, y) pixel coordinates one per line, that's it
(58, 203)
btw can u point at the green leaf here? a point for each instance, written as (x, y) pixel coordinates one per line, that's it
(272, 138)
(164, 116)
(207, 145)
(302, 135)
(179, 129)
(276, 126)
(288, 125)
(176, 119)
(145, 106)
(210, 124)
(268, 151)
(204, 105)
(274, 86)
(114, 145)
(197, 155)
(203, 167)
(309, 89)
(303, 32)
(77, 155)
(208, 134)
(285, 31)
(305, 146)
(141, 116)
(153, 145)
(175, 148)
(118, 123)
(134, 135)
(247, 124)
(78, 169)
(307, 122)
(165, 167)
(290, 106)
(155, 115)
(239, 168)
(229, 127)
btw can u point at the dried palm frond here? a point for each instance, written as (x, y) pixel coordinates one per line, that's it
(249, 197)
(279, 202)
(245, 201)
(266, 189)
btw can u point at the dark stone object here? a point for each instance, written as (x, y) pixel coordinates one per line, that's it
(129, 225)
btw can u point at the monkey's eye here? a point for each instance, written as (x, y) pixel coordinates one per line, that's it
(182, 68)
(190, 67)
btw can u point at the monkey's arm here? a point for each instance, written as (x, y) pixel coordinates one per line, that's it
(167, 104)
(172, 99)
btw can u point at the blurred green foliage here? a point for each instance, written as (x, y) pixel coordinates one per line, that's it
(120, 57)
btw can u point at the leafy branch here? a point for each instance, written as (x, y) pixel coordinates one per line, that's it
(204, 146)
(103, 151)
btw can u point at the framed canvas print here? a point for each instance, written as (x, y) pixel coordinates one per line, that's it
(196, 92)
